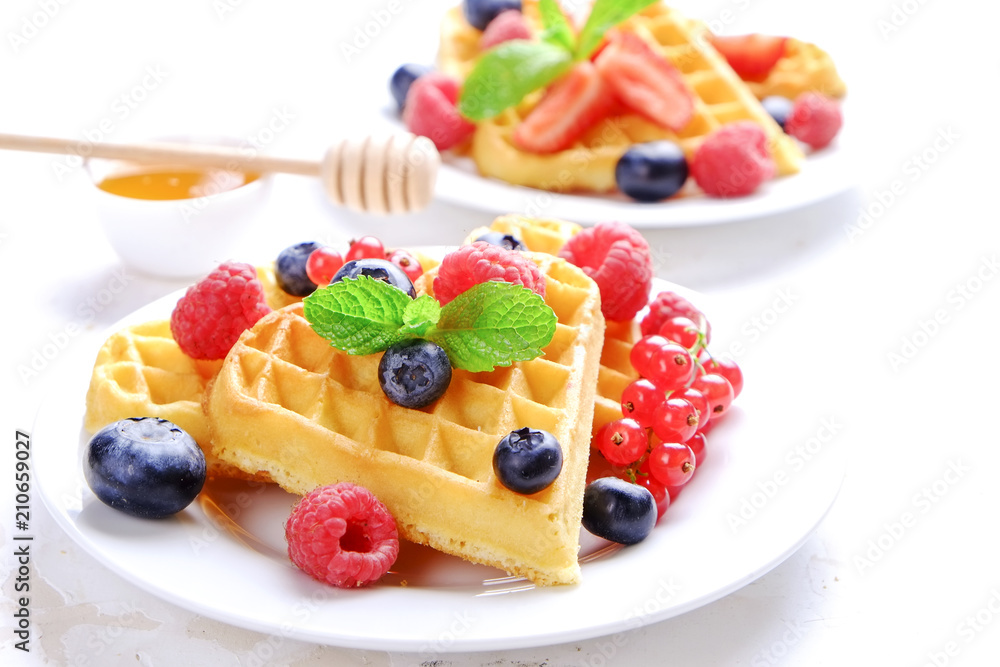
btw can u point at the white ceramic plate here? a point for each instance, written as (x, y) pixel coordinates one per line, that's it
(824, 174)
(224, 556)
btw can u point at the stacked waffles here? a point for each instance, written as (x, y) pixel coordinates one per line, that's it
(286, 406)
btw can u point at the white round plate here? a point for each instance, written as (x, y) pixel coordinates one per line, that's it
(824, 174)
(224, 556)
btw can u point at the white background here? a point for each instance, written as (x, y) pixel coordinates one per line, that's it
(860, 591)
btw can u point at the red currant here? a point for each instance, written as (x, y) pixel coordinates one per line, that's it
(672, 464)
(366, 247)
(700, 403)
(622, 441)
(675, 420)
(643, 350)
(717, 390)
(683, 331)
(670, 367)
(728, 369)
(407, 262)
(660, 495)
(697, 444)
(322, 264)
(639, 401)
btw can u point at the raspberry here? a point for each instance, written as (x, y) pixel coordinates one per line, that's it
(507, 25)
(733, 161)
(343, 535)
(214, 312)
(481, 262)
(663, 307)
(618, 259)
(815, 120)
(430, 111)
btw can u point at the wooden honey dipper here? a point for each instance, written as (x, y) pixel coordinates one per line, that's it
(390, 174)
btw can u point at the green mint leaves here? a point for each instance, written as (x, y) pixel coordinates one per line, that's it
(506, 74)
(604, 15)
(492, 324)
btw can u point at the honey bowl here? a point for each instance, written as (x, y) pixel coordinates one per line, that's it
(175, 221)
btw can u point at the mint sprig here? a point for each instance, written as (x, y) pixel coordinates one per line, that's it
(492, 324)
(505, 75)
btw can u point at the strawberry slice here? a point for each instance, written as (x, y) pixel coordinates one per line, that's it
(751, 56)
(571, 106)
(645, 81)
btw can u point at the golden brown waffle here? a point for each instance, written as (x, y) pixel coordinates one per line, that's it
(140, 371)
(616, 372)
(805, 67)
(720, 98)
(287, 402)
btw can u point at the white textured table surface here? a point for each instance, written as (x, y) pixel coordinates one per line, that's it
(890, 333)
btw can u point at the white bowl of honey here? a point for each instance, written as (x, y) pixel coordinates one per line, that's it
(174, 221)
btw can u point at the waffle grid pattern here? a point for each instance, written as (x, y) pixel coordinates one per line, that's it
(720, 98)
(432, 467)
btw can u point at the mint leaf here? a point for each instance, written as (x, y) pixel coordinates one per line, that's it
(557, 28)
(604, 15)
(359, 316)
(420, 315)
(494, 324)
(506, 74)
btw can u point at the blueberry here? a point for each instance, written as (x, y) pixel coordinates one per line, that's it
(479, 13)
(508, 241)
(527, 460)
(403, 78)
(618, 510)
(414, 373)
(379, 269)
(290, 269)
(651, 171)
(146, 467)
(779, 107)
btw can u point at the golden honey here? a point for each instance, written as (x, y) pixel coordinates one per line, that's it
(174, 183)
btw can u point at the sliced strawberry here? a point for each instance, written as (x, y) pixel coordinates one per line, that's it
(751, 56)
(645, 81)
(570, 107)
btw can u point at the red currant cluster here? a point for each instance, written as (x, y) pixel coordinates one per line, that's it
(325, 261)
(682, 389)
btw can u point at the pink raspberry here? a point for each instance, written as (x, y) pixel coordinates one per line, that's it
(506, 26)
(214, 312)
(430, 111)
(481, 262)
(733, 161)
(664, 306)
(815, 120)
(343, 535)
(618, 259)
